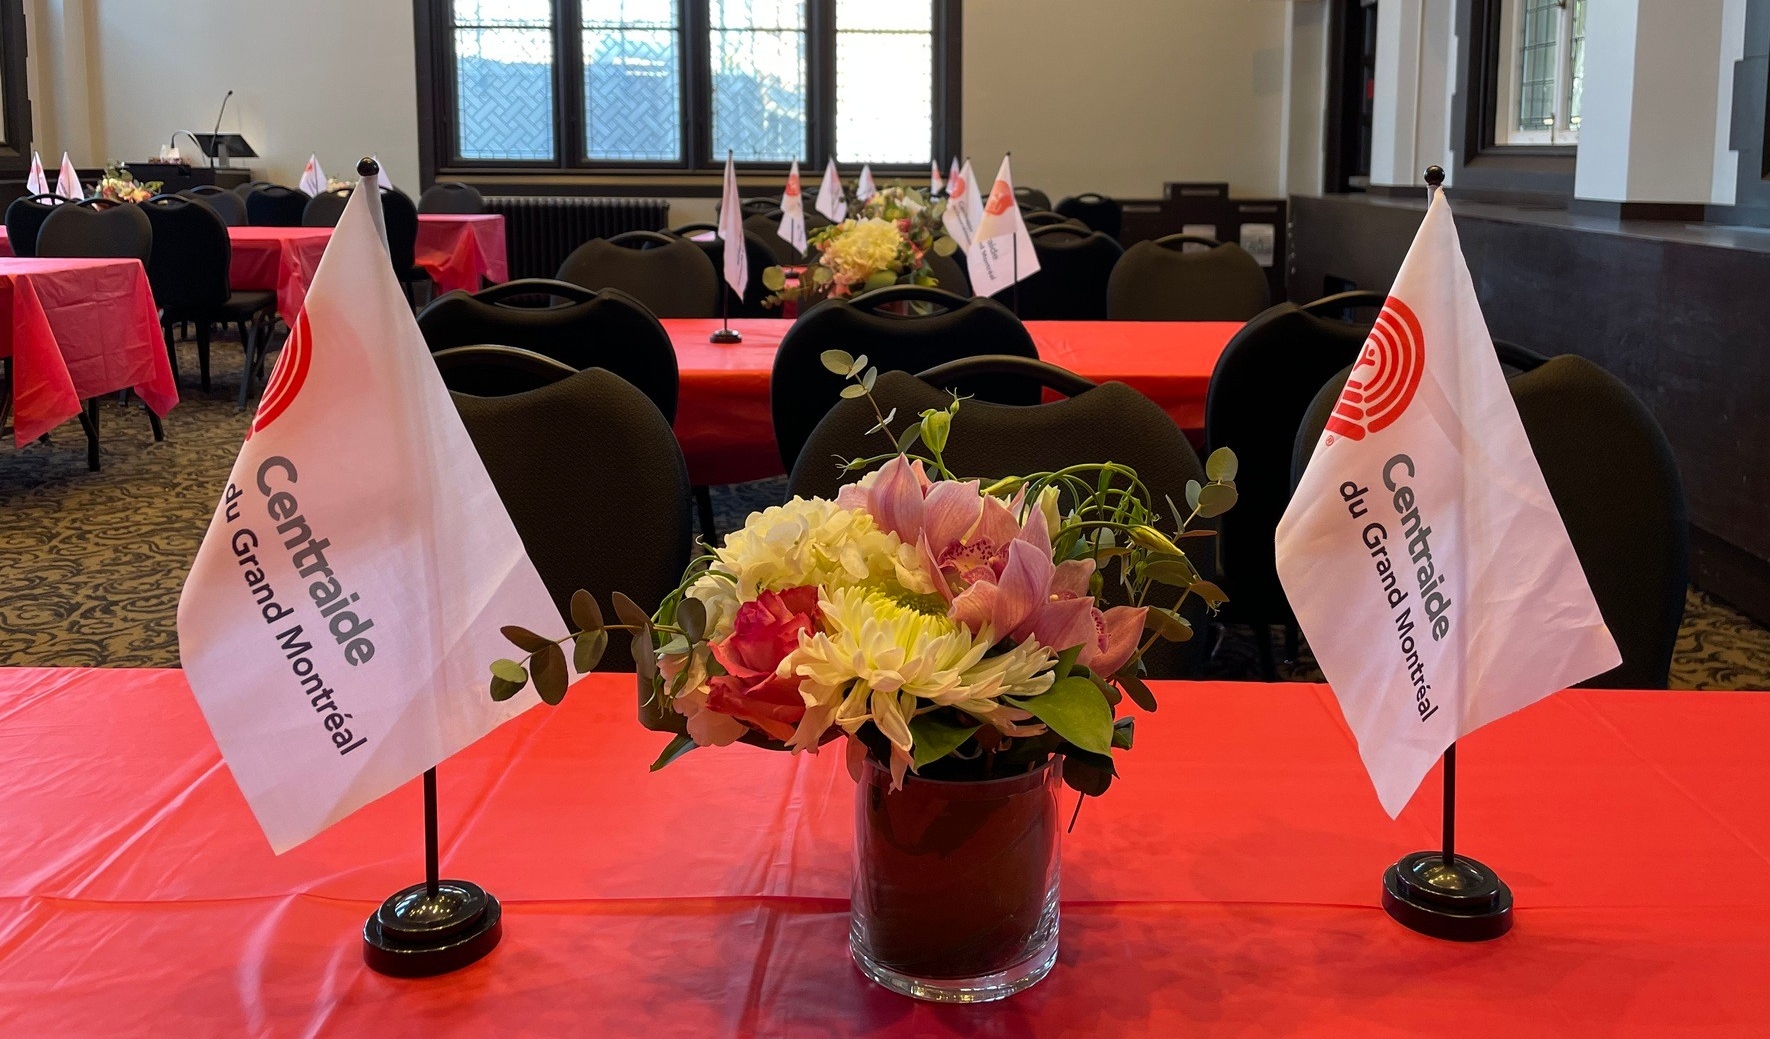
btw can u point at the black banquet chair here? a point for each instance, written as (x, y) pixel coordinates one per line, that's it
(1108, 422)
(1038, 218)
(274, 205)
(1615, 482)
(1260, 390)
(1075, 265)
(670, 275)
(1032, 199)
(489, 370)
(24, 219)
(326, 208)
(188, 270)
(1098, 211)
(97, 228)
(758, 257)
(566, 323)
(401, 216)
(767, 226)
(801, 390)
(243, 190)
(452, 197)
(1160, 281)
(576, 499)
(230, 207)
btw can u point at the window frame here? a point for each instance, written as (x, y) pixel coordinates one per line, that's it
(1508, 82)
(698, 171)
(1484, 168)
(15, 95)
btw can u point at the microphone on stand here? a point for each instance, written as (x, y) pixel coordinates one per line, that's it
(215, 144)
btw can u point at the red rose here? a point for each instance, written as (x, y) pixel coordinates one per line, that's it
(762, 635)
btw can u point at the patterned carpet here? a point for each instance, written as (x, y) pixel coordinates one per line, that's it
(91, 563)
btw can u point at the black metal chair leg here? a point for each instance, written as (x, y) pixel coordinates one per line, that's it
(203, 353)
(251, 345)
(703, 499)
(89, 423)
(172, 353)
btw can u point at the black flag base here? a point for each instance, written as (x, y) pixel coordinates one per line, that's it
(726, 337)
(1460, 902)
(416, 934)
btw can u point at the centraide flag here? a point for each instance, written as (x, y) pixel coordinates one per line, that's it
(829, 195)
(313, 179)
(37, 182)
(793, 211)
(1002, 252)
(964, 206)
(731, 232)
(1422, 553)
(935, 184)
(865, 189)
(67, 182)
(337, 623)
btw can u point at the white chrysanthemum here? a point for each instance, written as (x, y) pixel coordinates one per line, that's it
(806, 541)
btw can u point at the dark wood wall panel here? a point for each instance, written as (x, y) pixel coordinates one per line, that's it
(1682, 322)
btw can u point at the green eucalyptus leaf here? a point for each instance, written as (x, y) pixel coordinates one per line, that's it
(945, 245)
(1168, 624)
(1215, 499)
(774, 278)
(1222, 465)
(859, 365)
(1124, 732)
(551, 675)
(870, 378)
(838, 361)
(502, 690)
(908, 438)
(524, 639)
(880, 280)
(1193, 489)
(1139, 693)
(821, 275)
(935, 739)
(1177, 572)
(853, 391)
(510, 671)
(587, 650)
(677, 747)
(585, 613)
(1075, 710)
(1089, 774)
(691, 617)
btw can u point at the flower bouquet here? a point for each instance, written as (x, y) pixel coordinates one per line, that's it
(957, 635)
(886, 242)
(119, 185)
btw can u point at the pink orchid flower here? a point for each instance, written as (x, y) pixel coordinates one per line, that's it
(996, 571)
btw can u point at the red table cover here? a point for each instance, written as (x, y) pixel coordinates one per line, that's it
(277, 259)
(77, 329)
(1227, 884)
(458, 249)
(722, 414)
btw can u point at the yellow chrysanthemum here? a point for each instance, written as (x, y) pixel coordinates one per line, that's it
(870, 246)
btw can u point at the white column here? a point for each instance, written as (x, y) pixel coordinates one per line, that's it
(1305, 112)
(1725, 185)
(1410, 120)
(1650, 101)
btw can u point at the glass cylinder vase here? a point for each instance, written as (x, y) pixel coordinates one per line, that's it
(955, 883)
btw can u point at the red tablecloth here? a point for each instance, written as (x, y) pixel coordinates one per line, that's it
(458, 249)
(277, 259)
(78, 329)
(723, 421)
(1227, 885)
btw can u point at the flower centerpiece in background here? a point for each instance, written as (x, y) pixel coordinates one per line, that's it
(957, 635)
(886, 242)
(119, 185)
(334, 184)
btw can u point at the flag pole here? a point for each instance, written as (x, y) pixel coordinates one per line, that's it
(1440, 893)
(725, 336)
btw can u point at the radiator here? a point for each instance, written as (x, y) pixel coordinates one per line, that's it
(541, 230)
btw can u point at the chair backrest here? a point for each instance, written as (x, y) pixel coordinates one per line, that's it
(758, 256)
(752, 206)
(767, 226)
(1110, 422)
(1099, 212)
(24, 219)
(452, 197)
(325, 208)
(120, 231)
(247, 188)
(1263, 386)
(188, 268)
(1032, 198)
(1615, 482)
(1075, 265)
(497, 371)
(230, 207)
(274, 205)
(1045, 218)
(802, 390)
(401, 216)
(949, 273)
(671, 276)
(579, 328)
(595, 485)
(1157, 281)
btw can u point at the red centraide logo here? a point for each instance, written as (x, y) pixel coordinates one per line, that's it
(287, 377)
(1000, 198)
(1388, 372)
